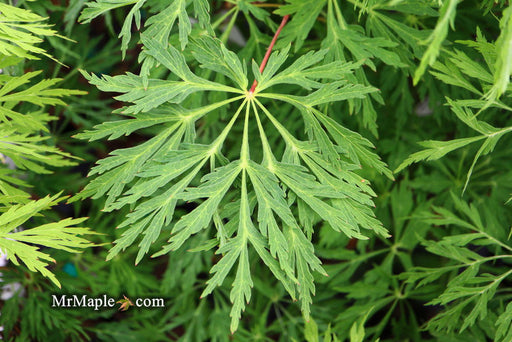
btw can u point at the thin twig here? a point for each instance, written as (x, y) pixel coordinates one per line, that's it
(269, 50)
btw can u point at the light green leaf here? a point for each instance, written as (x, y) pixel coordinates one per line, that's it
(435, 40)
(213, 55)
(21, 31)
(214, 187)
(22, 245)
(503, 66)
(303, 16)
(436, 150)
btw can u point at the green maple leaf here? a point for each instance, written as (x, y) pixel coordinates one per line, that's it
(315, 173)
(23, 245)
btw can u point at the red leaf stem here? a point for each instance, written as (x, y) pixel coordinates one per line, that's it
(269, 50)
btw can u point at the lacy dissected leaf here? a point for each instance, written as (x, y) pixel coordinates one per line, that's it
(340, 38)
(20, 142)
(21, 31)
(301, 72)
(28, 153)
(23, 148)
(159, 25)
(304, 14)
(461, 70)
(437, 149)
(315, 174)
(469, 293)
(23, 245)
(100, 7)
(10, 185)
(213, 55)
(503, 66)
(447, 15)
(157, 92)
(383, 23)
(41, 94)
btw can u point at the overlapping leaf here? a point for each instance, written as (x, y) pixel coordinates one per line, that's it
(22, 245)
(21, 31)
(23, 148)
(158, 26)
(469, 293)
(447, 15)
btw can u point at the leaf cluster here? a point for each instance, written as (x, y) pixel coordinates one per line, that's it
(246, 197)
(24, 147)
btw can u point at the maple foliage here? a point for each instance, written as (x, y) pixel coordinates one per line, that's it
(241, 149)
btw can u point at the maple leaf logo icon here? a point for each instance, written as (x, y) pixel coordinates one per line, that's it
(125, 303)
